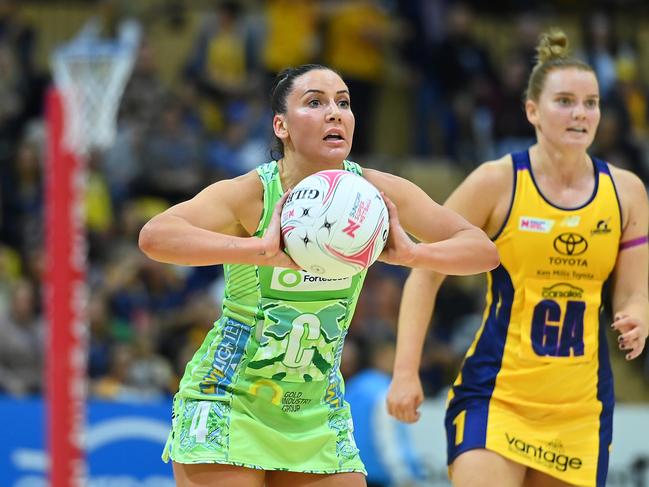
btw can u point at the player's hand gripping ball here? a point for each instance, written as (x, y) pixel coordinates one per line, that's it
(334, 224)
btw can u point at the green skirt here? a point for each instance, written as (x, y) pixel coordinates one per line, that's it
(254, 421)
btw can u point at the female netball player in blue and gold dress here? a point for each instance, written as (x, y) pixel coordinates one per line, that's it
(533, 403)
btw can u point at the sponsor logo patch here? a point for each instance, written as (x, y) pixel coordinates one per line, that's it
(601, 228)
(562, 290)
(550, 454)
(570, 244)
(571, 221)
(226, 358)
(292, 402)
(294, 280)
(538, 225)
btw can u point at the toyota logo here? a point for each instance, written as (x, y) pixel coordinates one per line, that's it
(570, 244)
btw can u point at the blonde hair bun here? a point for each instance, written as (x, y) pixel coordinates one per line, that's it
(552, 45)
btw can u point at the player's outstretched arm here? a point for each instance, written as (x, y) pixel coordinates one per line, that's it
(631, 273)
(215, 227)
(448, 243)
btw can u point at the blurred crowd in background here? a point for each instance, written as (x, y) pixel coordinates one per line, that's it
(436, 87)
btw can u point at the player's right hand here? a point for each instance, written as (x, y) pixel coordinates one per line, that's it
(405, 395)
(399, 248)
(633, 334)
(272, 243)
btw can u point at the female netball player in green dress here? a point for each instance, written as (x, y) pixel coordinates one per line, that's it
(261, 402)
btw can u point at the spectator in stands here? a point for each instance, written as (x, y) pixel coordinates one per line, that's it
(171, 157)
(290, 34)
(463, 70)
(358, 34)
(224, 63)
(22, 349)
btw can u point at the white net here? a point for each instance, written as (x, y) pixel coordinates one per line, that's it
(91, 74)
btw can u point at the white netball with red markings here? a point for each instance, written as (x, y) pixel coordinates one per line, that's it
(334, 224)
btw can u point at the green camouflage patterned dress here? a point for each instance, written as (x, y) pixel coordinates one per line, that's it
(264, 390)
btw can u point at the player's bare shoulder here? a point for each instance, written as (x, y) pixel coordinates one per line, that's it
(247, 195)
(234, 193)
(384, 181)
(497, 175)
(403, 193)
(484, 196)
(248, 186)
(626, 181)
(491, 182)
(226, 206)
(631, 191)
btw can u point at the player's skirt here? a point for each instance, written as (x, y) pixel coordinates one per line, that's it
(569, 440)
(229, 415)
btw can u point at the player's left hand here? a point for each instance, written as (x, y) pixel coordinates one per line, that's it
(404, 398)
(399, 249)
(633, 334)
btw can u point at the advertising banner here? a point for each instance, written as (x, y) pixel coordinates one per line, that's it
(123, 444)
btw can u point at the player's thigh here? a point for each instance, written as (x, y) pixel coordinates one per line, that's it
(216, 475)
(296, 479)
(480, 467)
(534, 478)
